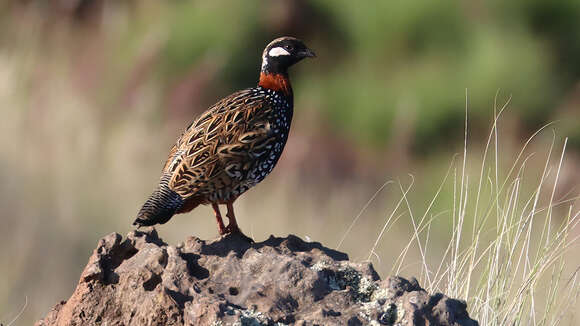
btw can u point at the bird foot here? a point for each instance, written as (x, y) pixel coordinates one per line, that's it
(232, 229)
(235, 230)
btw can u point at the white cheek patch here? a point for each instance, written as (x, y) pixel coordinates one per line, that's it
(278, 51)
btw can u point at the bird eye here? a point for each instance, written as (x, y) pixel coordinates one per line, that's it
(289, 47)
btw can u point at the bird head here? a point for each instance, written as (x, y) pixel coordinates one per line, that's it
(282, 53)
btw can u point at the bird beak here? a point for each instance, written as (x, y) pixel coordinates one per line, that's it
(307, 53)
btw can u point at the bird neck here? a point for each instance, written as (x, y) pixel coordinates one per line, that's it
(278, 82)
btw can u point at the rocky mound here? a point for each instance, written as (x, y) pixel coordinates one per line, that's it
(282, 281)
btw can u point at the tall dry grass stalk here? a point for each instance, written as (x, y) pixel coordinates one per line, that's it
(511, 265)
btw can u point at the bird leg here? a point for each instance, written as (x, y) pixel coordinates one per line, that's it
(233, 225)
(218, 218)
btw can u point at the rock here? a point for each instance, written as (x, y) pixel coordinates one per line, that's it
(143, 281)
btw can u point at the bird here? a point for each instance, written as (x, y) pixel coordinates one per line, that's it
(230, 147)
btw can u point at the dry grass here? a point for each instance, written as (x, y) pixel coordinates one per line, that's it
(516, 264)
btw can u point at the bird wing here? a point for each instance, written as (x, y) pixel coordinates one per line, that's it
(220, 147)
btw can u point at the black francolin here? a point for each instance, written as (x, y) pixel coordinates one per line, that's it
(232, 146)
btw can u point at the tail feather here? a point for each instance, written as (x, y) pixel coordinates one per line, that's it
(161, 205)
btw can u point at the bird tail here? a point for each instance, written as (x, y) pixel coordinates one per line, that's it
(161, 205)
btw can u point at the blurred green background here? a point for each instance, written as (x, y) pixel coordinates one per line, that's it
(93, 93)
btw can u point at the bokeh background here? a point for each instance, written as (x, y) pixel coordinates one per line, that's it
(93, 93)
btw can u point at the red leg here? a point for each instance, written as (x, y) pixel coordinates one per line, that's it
(233, 226)
(218, 218)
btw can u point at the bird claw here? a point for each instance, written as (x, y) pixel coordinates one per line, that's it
(232, 229)
(235, 230)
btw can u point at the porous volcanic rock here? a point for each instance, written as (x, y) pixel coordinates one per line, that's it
(141, 280)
